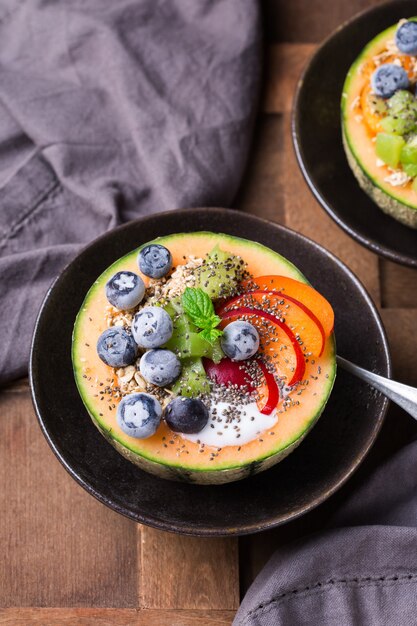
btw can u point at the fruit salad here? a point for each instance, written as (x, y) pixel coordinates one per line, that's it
(389, 104)
(379, 119)
(200, 353)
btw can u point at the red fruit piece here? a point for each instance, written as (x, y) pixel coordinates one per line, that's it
(278, 342)
(297, 317)
(268, 392)
(228, 372)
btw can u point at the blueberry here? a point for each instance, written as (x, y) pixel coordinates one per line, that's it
(125, 290)
(155, 260)
(151, 327)
(139, 415)
(406, 38)
(160, 367)
(387, 79)
(186, 415)
(240, 340)
(116, 347)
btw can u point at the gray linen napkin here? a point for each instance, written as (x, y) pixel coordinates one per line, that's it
(361, 572)
(109, 110)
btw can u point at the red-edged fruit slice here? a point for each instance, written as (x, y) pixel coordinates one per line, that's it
(278, 342)
(268, 392)
(297, 316)
(229, 372)
(303, 293)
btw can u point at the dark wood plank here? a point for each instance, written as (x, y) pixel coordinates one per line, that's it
(398, 286)
(112, 617)
(179, 572)
(59, 546)
(261, 192)
(400, 325)
(285, 63)
(308, 21)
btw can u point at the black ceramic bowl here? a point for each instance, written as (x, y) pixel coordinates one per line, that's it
(321, 464)
(317, 136)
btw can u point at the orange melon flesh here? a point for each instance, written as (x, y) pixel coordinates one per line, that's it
(360, 126)
(166, 453)
(372, 120)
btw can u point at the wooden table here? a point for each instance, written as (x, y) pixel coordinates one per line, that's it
(67, 559)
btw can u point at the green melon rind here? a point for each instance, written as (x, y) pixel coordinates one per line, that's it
(221, 473)
(387, 200)
(388, 204)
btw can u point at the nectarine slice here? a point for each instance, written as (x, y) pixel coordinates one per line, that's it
(305, 294)
(277, 341)
(295, 314)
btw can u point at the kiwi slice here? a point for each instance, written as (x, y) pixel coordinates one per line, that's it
(220, 273)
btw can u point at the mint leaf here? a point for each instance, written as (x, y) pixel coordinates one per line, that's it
(199, 308)
(211, 334)
(215, 320)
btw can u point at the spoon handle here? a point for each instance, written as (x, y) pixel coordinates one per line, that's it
(403, 395)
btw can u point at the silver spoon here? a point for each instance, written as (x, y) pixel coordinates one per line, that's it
(403, 395)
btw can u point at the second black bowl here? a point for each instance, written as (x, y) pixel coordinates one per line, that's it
(317, 137)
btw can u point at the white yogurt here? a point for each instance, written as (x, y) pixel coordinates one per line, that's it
(226, 433)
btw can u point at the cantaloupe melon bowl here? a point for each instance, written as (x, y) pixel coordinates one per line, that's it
(379, 120)
(213, 370)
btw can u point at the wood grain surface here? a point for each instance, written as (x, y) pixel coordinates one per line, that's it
(67, 559)
(113, 617)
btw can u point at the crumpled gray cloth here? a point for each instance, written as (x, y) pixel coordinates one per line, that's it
(360, 572)
(109, 110)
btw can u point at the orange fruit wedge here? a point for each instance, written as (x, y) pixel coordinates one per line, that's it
(304, 294)
(278, 343)
(304, 324)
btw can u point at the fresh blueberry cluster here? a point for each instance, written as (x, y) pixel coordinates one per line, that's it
(139, 414)
(388, 78)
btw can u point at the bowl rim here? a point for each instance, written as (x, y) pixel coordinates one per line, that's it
(187, 528)
(368, 242)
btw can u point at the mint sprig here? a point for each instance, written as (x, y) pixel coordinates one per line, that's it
(199, 308)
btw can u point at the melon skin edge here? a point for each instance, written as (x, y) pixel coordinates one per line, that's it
(388, 202)
(389, 205)
(204, 477)
(227, 471)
